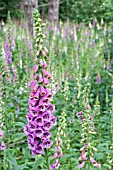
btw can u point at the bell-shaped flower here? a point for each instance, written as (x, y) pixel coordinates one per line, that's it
(47, 143)
(35, 68)
(48, 93)
(45, 65)
(44, 72)
(39, 132)
(29, 117)
(39, 121)
(40, 79)
(2, 146)
(37, 95)
(45, 81)
(39, 149)
(50, 108)
(46, 135)
(47, 125)
(42, 91)
(46, 116)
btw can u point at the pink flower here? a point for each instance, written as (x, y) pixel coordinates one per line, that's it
(43, 54)
(3, 146)
(92, 160)
(1, 134)
(45, 50)
(81, 165)
(55, 155)
(60, 154)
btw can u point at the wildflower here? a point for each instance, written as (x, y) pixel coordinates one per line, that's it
(8, 52)
(81, 165)
(98, 79)
(1, 134)
(40, 111)
(2, 146)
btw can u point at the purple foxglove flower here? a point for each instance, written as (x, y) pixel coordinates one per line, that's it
(40, 118)
(88, 107)
(8, 52)
(45, 81)
(33, 110)
(50, 108)
(52, 167)
(45, 65)
(44, 72)
(42, 91)
(94, 23)
(34, 87)
(39, 132)
(45, 50)
(48, 93)
(40, 79)
(35, 68)
(55, 163)
(48, 76)
(32, 83)
(32, 102)
(47, 143)
(81, 165)
(36, 95)
(55, 155)
(30, 137)
(92, 160)
(79, 113)
(1, 134)
(45, 100)
(46, 135)
(33, 143)
(41, 106)
(53, 119)
(3, 146)
(60, 154)
(29, 117)
(99, 79)
(43, 53)
(32, 94)
(41, 63)
(47, 125)
(93, 44)
(35, 59)
(86, 158)
(46, 116)
(39, 121)
(32, 126)
(35, 76)
(26, 130)
(39, 149)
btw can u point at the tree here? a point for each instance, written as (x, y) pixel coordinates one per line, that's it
(53, 11)
(28, 6)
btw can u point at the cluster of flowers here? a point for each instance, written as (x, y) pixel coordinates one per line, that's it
(7, 51)
(57, 154)
(2, 144)
(87, 149)
(40, 117)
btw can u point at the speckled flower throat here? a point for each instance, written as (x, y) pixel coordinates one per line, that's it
(40, 116)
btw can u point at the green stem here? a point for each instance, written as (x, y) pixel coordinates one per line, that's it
(47, 160)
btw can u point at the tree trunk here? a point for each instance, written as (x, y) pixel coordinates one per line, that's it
(53, 10)
(28, 6)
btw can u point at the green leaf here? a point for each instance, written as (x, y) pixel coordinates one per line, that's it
(38, 163)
